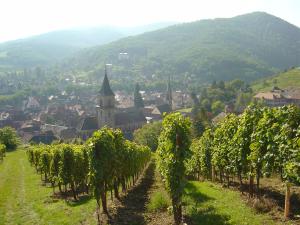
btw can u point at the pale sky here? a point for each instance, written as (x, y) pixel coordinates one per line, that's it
(22, 18)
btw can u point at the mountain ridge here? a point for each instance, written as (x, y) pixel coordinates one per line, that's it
(248, 46)
(51, 47)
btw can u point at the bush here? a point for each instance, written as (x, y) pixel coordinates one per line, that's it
(148, 135)
(8, 137)
(159, 201)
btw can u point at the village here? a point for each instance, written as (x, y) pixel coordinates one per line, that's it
(69, 116)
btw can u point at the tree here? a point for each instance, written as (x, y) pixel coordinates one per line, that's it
(217, 107)
(173, 150)
(8, 137)
(199, 123)
(206, 104)
(148, 135)
(138, 100)
(214, 84)
(242, 101)
(221, 85)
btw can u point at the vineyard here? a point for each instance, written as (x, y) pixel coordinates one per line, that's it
(102, 165)
(261, 142)
(110, 180)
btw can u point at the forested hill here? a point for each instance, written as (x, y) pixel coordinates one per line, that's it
(52, 47)
(247, 47)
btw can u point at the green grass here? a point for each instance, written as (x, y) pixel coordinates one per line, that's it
(210, 204)
(186, 110)
(289, 79)
(24, 200)
(159, 201)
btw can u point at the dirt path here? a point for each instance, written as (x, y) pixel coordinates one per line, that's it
(131, 207)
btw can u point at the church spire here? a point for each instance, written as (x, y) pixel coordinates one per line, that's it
(169, 93)
(105, 89)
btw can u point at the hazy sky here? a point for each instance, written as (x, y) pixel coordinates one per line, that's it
(21, 18)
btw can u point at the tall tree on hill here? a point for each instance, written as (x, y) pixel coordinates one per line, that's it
(138, 100)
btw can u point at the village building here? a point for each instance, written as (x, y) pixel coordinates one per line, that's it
(279, 97)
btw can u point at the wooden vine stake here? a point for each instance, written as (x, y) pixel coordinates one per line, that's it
(287, 200)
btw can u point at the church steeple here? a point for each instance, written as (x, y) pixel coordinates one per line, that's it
(169, 93)
(105, 89)
(106, 104)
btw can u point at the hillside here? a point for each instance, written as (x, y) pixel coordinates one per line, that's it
(288, 79)
(52, 47)
(247, 47)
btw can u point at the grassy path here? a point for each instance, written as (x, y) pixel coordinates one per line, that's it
(210, 204)
(24, 200)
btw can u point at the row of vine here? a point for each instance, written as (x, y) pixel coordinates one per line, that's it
(104, 163)
(260, 142)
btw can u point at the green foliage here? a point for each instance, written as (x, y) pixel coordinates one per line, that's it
(222, 144)
(8, 137)
(200, 162)
(102, 152)
(217, 107)
(259, 142)
(113, 161)
(242, 101)
(148, 135)
(173, 150)
(101, 164)
(61, 164)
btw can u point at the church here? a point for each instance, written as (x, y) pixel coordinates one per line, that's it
(126, 119)
(107, 114)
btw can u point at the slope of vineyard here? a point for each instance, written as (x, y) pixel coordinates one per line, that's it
(287, 79)
(25, 200)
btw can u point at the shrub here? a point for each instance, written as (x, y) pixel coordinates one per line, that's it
(8, 137)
